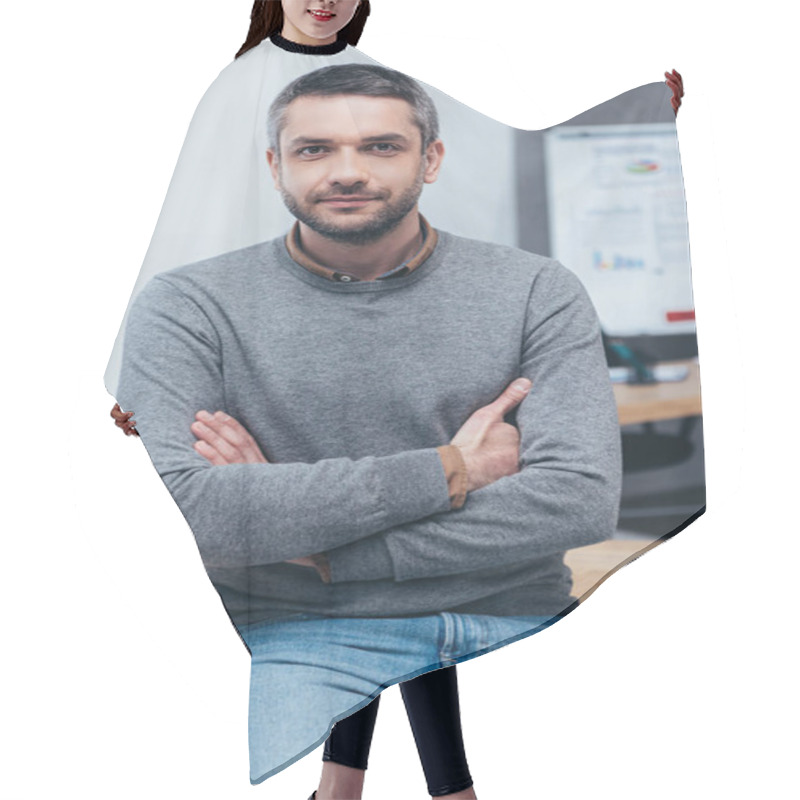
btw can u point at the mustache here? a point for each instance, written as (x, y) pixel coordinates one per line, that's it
(357, 190)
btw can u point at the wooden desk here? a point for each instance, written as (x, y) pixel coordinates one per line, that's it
(657, 401)
(591, 565)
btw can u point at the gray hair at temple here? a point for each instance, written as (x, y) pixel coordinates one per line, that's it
(356, 79)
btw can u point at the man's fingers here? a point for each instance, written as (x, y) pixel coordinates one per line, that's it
(217, 435)
(212, 438)
(227, 427)
(511, 397)
(209, 453)
(228, 437)
(481, 420)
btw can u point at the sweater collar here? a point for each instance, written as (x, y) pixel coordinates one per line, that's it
(429, 238)
(308, 49)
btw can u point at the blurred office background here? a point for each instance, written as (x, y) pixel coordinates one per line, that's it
(603, 193)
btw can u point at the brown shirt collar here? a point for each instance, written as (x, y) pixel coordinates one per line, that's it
(428, 245)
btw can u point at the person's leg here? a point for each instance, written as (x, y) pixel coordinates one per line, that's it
(307, 674)
(431, 702)
(346, 754)
(442, 753)
(351, 737)
(433, 710)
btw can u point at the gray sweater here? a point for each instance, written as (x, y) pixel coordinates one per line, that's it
(349, 388)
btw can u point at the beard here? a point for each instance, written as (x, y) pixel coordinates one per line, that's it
(370, 229)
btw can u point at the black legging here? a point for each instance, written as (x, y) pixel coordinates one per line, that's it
(432, 706)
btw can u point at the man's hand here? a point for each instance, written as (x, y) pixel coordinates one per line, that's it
(222, 440)
(675, 82)
(490, 447)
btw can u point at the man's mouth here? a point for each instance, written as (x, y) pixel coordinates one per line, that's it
(322, 16)
(347, 200)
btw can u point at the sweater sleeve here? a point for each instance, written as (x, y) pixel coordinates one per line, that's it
(247, 514)
(566, 493)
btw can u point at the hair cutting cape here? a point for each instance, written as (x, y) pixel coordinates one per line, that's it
(354, 389)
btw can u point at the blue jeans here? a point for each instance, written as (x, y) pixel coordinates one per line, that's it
(309, 672)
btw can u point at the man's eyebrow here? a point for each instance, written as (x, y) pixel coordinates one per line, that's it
(387, 137)
(308, 141)
(299, 141)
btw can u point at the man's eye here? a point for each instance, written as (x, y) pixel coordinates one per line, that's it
(311, 150)
(384, 147)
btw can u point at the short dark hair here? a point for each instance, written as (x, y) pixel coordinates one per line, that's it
(355, 79)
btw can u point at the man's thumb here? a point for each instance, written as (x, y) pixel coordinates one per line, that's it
(513, 395)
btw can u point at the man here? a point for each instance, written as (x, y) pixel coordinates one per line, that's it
(349, 478)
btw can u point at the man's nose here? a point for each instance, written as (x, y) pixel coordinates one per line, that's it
(347, 168)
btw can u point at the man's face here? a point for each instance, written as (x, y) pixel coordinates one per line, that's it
(351, 167)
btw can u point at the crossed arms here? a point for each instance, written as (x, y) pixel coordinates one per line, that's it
(487, 449)
(385, 517)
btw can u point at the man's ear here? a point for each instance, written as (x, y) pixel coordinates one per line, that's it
(434, 154)
(274, 167)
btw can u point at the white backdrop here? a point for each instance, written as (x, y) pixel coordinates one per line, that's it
(122, 677)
